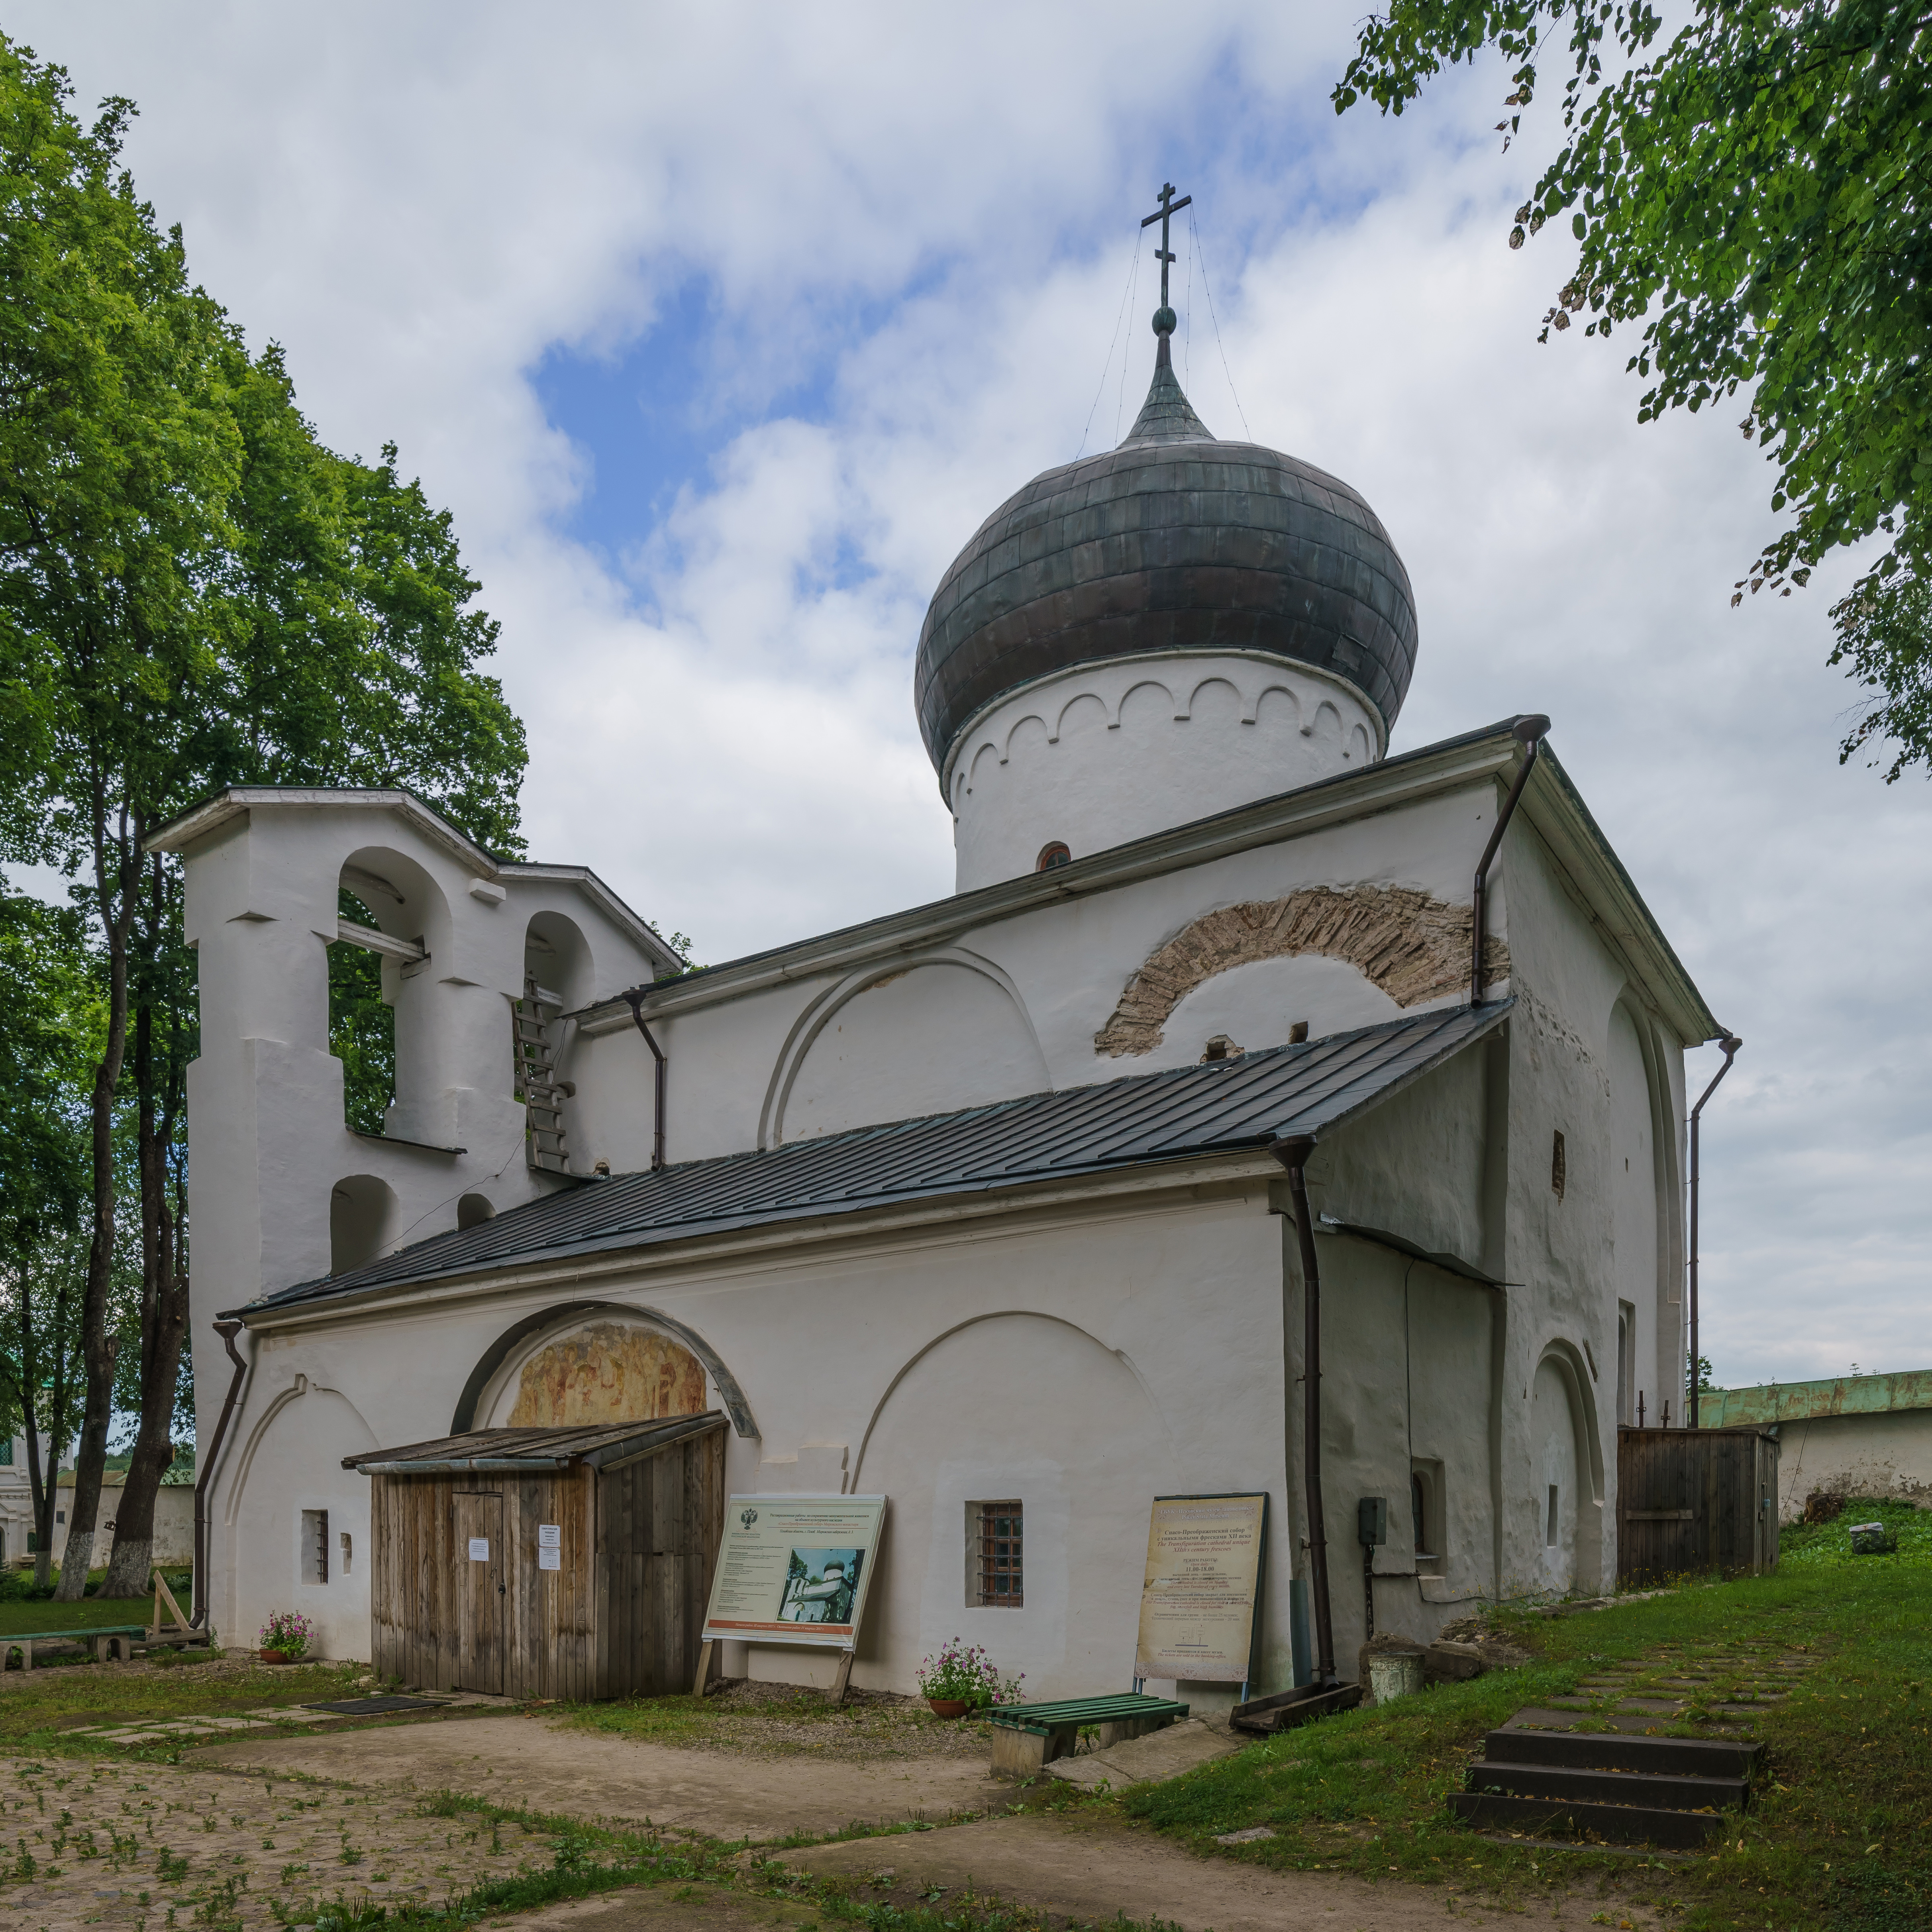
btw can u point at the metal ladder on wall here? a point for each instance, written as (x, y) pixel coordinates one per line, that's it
(536, 1074)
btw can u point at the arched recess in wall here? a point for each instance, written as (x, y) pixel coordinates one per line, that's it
(362, 1212)
(406, 906)
(1072, 1413)
(524, 1340)
(933, 1034)
(1643, 1191)
(1412, 946)
(557, 956)
(1566, 1469)
(329, 1415)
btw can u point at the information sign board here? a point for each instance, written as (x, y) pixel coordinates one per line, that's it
(1199, 1602)
(795, 1569)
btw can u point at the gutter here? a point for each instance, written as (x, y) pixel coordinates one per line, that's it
(1528, 731)
(1693, 1407)
(1293, 1155)
(227, 1327)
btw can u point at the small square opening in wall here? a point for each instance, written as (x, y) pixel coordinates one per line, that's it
(996, 1555)
(315, 1546)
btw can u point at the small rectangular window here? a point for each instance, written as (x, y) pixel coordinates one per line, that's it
(7, 1453)
(1549, 1523)
(315, 1546)
(997, 1575)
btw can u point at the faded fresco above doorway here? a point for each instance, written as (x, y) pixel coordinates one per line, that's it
(607, 1372)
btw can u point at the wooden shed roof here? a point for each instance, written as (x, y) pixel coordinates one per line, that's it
(596, 1447)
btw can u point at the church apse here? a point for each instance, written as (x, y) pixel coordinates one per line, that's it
(607, 1372)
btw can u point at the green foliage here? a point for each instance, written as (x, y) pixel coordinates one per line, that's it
(1752, 197)
(194, 593)
(361, 1026)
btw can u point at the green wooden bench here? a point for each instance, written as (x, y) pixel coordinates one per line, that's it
(104, 1637)
(1027, 1736)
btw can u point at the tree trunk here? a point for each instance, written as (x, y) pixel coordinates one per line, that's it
(111, 856)
(43, 1488)
(164, 1322)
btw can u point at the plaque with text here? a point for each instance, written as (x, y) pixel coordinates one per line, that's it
(795, 1569)
(1201, 1600)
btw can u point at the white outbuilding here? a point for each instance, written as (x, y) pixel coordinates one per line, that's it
(1002, 1207)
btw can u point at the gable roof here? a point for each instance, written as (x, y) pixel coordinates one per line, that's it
(1142, 1119)
(1551, 804)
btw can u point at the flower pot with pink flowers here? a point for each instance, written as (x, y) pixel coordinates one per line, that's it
(287, 1637)
(962, 1678)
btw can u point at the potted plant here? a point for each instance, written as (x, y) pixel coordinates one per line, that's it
(962, 1678)
(286, 1637)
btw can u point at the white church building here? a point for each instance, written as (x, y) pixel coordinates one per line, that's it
(988, 1206)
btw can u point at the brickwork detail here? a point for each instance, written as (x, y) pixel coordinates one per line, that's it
(1411, 945)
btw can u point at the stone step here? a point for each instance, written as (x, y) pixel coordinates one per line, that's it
(1620, 1824)
(1600, 1750)
(1657, 1790)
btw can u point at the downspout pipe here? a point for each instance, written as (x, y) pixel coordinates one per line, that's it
(227, 1328)
(635, 999)
(1529, 731)
(1692, 1407)
(1293, 1154)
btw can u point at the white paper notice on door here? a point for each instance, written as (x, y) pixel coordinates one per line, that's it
(479, 1549)
(550, 1536)
(549, 1559)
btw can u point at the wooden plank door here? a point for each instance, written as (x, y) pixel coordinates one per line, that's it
(480, 1591)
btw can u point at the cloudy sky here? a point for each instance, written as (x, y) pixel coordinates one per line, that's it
(720, 327)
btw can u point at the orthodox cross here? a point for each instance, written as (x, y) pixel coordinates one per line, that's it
(1165, 213)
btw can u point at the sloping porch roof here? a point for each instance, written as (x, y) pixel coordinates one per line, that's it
(1143, 1119)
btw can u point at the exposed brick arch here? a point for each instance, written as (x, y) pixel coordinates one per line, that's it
(1411, 945)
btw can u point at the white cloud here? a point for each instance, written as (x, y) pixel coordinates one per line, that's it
(922, 217)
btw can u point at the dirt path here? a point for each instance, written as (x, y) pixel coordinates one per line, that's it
(1094, 1870)
(546, 1766)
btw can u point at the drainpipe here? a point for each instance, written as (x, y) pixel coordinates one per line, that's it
(1693, 1415)
(1293, 1154)
(1527, 731)
(635, 999)
(227, 1328)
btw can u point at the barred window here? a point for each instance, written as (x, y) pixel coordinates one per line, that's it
(999, 1555)
(315, 1546)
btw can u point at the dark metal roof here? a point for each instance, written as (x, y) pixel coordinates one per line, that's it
(1139, 1119)
(596, 1445)
(1173, 541)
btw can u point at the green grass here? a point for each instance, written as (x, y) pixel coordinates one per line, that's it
(1828, 1545)
(38, 1714)
(1839, 1834)
(90, 1613)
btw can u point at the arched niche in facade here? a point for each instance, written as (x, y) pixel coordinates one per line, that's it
(362, 1221)
(934, 1035)
(562, 1348)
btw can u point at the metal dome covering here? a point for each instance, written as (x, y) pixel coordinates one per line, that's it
(1174, 540)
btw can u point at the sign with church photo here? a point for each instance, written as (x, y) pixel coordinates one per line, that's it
(795, 1569)
(1202, 1590)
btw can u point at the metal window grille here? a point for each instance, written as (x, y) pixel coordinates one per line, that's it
(315, 1546)
(1001, 1554)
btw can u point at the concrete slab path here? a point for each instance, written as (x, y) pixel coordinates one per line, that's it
(1159, 1755)
(551, 1767)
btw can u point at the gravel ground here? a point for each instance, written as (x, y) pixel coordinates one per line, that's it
(135, 1845)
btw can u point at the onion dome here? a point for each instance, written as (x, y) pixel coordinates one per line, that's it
(1175, 541)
